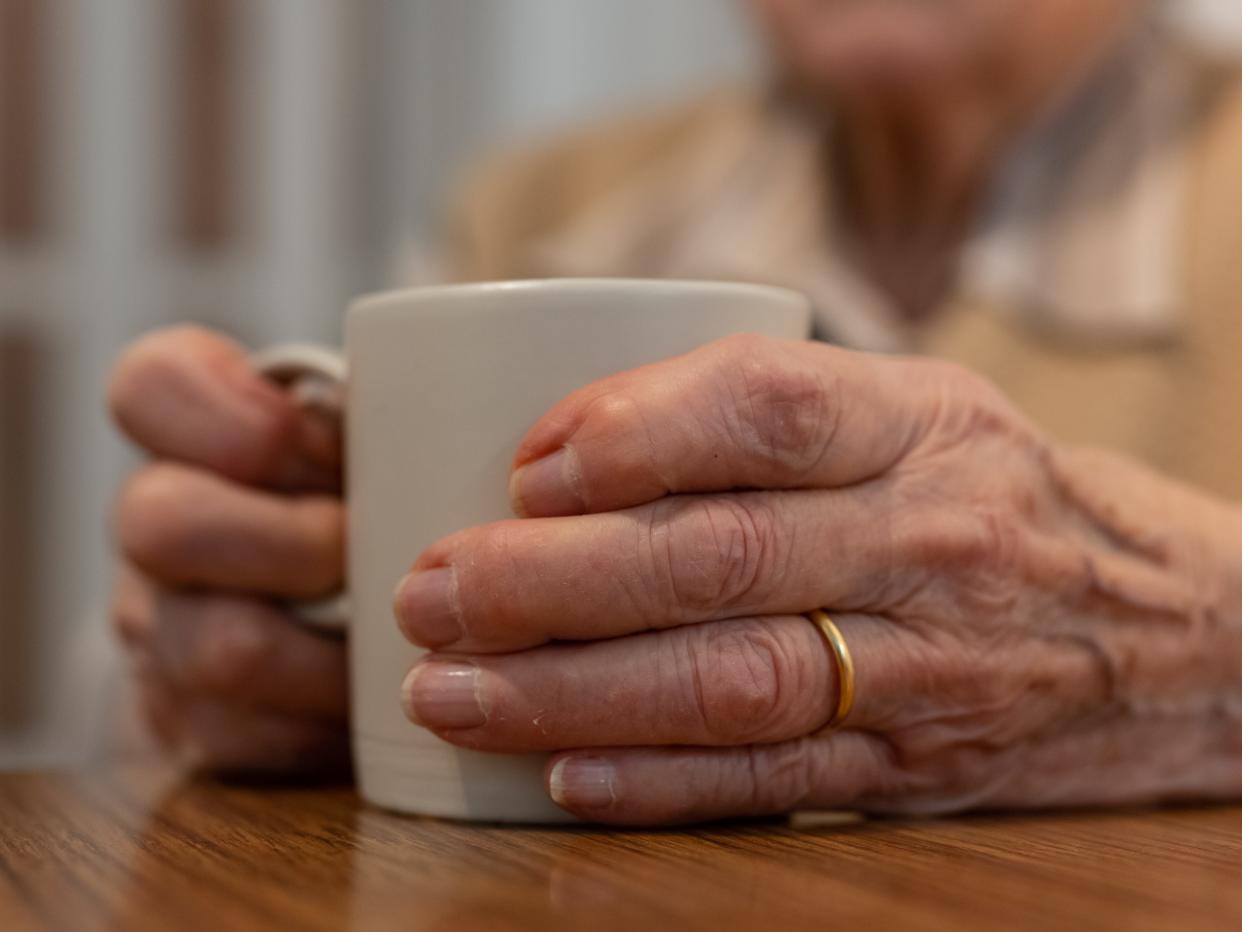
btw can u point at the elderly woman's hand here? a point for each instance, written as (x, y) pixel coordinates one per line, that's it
(238, 509)
(1030, 626)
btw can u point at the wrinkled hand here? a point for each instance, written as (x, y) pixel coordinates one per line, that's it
(1031, 626)
(239, 508)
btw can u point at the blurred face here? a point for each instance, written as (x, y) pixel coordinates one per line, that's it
(841, 46)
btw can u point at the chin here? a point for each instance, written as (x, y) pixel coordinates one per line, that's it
(874, 63)
(851, 45)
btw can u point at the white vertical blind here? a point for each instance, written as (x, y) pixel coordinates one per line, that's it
(296, 141)
(97, 288)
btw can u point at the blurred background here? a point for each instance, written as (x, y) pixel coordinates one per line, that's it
(248, 164)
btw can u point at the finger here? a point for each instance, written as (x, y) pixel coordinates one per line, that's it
(192, 528)
(221, 738)
(187, 394)
(745, 412)
(516, 584)
(133, 607)
(212, 735)
(249, 654)
(719, 683)
(160, 705)
(668, 786)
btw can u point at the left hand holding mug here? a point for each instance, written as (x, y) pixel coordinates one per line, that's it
(236, 510)
(1030, 625)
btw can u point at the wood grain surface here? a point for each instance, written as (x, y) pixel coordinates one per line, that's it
(138, 848)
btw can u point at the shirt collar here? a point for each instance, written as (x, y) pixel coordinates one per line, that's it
(1082, 233)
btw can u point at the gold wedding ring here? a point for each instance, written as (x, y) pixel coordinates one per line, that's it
(845, 666)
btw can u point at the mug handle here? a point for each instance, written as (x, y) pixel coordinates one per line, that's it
(315, 377)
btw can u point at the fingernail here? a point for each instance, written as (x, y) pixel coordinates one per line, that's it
(444, 694)
(426, 607)
(548, 487)
(582, 783)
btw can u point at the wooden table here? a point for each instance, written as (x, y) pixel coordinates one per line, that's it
(133, 848)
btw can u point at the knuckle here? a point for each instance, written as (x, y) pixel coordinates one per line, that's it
(963, 758)
(970, 557)
(737, 347)
(995, 534)
(966, 406)
(615, 446)
(201, 748)
(781, 776)
(132, 610)
(148, 364)
(737, 350)
(230, 650)
(960, 540)
(967, 678)
(957, 383)
(221, 738)
(777, 409)
(738, 680)
(150, 513)
(130, 624)
(713, 553)
(995, 702)
(246, 432)
(257, 454)
(321, 539)
(163, 719)
(952, 375)
(961, 778)
(615, 413)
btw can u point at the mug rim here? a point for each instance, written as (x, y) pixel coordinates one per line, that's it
(376, 300)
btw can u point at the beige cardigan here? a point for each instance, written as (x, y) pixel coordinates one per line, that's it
(641, 197)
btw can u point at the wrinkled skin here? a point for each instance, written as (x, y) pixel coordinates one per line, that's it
(1032, 625)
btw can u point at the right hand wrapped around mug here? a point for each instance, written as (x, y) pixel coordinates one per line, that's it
(1029, 625)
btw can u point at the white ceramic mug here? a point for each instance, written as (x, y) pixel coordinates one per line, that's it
(440, 386)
